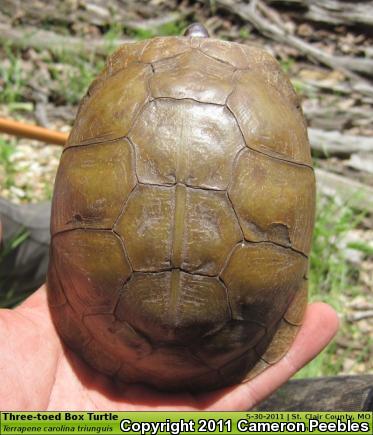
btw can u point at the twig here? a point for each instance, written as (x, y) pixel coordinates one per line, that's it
(154, 23)
(253, 12)
(334, 11)
(361, 162)
(25, 37)
(345, 88)
(334, 143)
(360, 316)
(356, 194)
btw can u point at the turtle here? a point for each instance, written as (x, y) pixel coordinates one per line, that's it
(182, 215)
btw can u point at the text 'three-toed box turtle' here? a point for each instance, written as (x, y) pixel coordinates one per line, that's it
(182, 215)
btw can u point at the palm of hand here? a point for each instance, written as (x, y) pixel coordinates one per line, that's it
(38, 373)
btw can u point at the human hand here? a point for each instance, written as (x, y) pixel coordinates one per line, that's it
(38, 373)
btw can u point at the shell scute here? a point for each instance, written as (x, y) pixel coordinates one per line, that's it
(109, 113)
(278, 206)
(160, 48)
(262, 279)
(192, 75)
(268, 122)
(173, 307)
(91, 186)
(146, 227)
(187, 142)
(224, 51)
(94, 267)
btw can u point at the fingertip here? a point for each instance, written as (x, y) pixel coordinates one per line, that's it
(320, 325)
(324, 317)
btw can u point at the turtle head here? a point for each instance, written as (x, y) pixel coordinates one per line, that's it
(196, 29)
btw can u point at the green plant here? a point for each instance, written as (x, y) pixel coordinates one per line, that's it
(140, 33)
(12, 77)
(8, 170)
(304, 88)
(287, 64)
(362, 247)
(172, 28)
(73, 82)
(81, 77)
(298, 86)
(167, 29)
(331, 275)
(244, 33)
(48, 191)
(13, 243)
(9, 297)
(114, 32)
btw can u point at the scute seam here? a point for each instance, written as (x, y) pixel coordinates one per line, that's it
(268, 154)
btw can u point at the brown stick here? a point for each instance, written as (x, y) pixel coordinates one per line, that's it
(353, 12)
(354, 193)
(334, 143)
(32, 132)
(27, 36)
(267, 22)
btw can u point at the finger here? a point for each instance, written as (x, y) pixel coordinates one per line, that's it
(30, 353)
(37, 301)
(36, 310)
(319, 327)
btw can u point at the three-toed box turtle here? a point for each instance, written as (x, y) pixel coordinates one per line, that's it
(182, 215)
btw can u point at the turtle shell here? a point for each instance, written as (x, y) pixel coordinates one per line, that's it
(182, 216)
